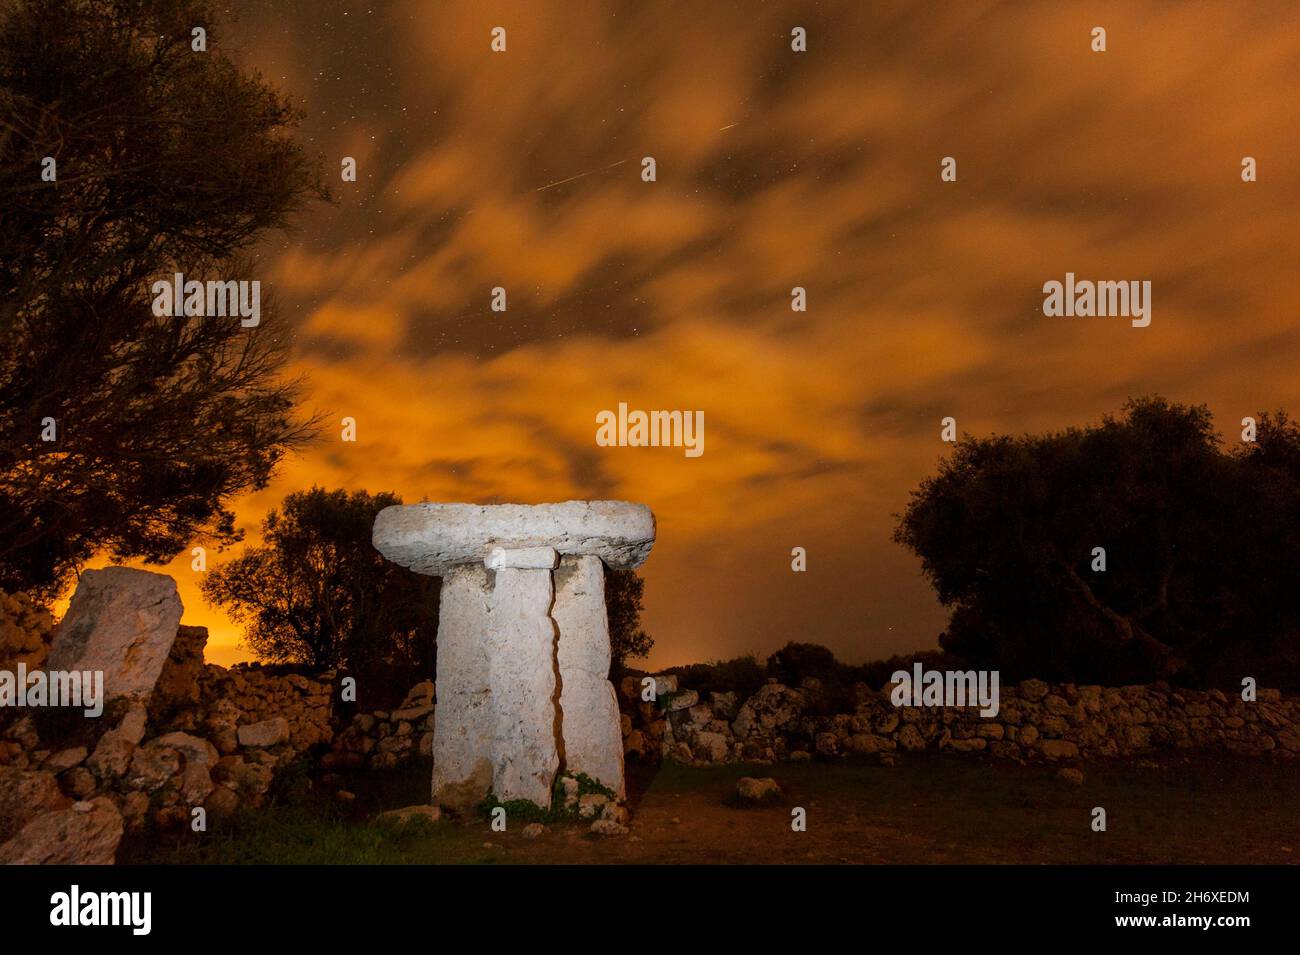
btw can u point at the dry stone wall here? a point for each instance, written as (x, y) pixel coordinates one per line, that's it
(1035, 722)
(384, 739)
(177, 735)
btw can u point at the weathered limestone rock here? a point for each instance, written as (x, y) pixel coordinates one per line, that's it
(64, 760)
(270, 732)
(112, 754)
(123, 622)
(178, 683)
(591, 731)
(538, 558)
(521, 675)
(25, 632)
(24, 795)
(462, 732)
(87, 833)
(751, 789)
(523, 667)
(409, 814)
(152, 767)
(430, 538)
(199, 758)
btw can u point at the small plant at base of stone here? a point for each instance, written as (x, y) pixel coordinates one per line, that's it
(576, 797)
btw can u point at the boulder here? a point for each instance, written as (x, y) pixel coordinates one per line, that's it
(403, 816)
(134, 807)
(910, 738)
(178, 683)
(750, 789)
(683, 700)
(270, 732)
(152, 767)
(411, 714)
(221, 802)
(24, 795)
(64, 760)
(422, 694)
(79, 782)
(121, 621)
(724, 705)
(112, 755)
(86, 833)
(1033, 690)
(199, 758)
(711, 747)
(1058, 748)
(773, 709)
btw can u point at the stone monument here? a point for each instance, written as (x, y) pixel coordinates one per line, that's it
(523, 639)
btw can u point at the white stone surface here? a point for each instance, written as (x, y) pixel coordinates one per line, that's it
(121, 621)
(592, 738)
(462, 731)
(523, 557)
(521, 674)
(429, 538)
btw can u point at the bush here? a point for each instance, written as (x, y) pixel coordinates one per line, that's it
(795, 661)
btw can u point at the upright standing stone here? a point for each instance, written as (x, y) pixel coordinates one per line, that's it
(521, 673)
(121, 621)
(463, 727)
(593, 741)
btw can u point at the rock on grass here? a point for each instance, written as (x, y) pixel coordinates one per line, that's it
(751, 790)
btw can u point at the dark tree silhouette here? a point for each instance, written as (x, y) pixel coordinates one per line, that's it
(168, 160)
(627, 639)
(1202, 549)
(317, 592)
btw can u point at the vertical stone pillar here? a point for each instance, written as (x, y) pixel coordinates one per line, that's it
(521, 675)
(463, 725)
(593, 742)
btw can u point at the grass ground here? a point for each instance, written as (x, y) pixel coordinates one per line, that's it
(931, 809)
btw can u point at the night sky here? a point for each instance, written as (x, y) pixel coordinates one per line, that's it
(775, 169)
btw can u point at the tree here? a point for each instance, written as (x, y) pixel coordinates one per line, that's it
(627, 639)
(317, 592)
(1201, 578)
(165, 160)
(795, 661)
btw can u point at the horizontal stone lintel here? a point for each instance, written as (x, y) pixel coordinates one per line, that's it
(433, 538)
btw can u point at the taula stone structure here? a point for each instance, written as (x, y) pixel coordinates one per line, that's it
(523, 639)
